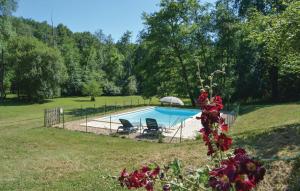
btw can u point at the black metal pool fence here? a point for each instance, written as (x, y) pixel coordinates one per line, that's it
(86, 113)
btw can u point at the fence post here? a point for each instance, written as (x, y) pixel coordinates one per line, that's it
(110, 123)
(180, 132)
(45, 118)
(140, 125)
(85, 121)
(63, 119)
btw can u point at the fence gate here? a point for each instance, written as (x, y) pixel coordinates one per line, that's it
(52, 117)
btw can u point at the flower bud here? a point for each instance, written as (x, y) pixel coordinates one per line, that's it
(166, 187)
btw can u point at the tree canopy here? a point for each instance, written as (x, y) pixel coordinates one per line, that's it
(256, 43)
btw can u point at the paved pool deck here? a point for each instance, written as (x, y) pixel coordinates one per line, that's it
(190, 127)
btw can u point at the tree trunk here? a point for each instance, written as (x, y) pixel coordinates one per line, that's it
(274, 82)
(2, 90)
(185, 79)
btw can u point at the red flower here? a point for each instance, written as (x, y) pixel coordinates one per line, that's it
(243, 183)
(145, 169)
(223, 142)
(205, 134)
(223, 177)
(203, 98)
(149, 186)
(209, 117)
(240, 151)
(166, 187)
(155, 172)
(239, 171)
(210, 149)
(144, 177)
(123, 178)
(224, 127)
(218, 102)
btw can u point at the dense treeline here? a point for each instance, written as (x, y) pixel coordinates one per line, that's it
(256, 43)
(89, 60)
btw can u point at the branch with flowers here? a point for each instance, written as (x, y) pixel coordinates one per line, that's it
(235, 170)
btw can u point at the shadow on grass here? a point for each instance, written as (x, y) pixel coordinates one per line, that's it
(16, 102)
(279, 144)
(294, 181)
(270, 143)
(247, 108)
(149, 136)
(84, 100)
(82, 112)
(250, 108)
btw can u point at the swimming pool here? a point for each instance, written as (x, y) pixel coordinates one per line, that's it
(167, 116)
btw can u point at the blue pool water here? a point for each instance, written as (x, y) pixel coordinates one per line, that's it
(164, 115)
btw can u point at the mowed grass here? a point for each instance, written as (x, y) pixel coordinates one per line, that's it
(37, 158)
(12, 110)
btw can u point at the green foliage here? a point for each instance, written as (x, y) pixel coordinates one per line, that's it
(38, 69)
(111, 89)
(8, 81)
(176, 167)
(277, 35)
(92, 88)
(131, 86)
(160, 138)
(171, 34)
(255, 42)
(7, 7)
(74, 157)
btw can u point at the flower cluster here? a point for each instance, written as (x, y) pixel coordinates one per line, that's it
(144, 177)
(214, 127)
(239, 172)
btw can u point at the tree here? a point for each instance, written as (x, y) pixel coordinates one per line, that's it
(7, 7)
(172, 31)
(92, 88)
(71, 55)
(39, 69)
(112, 65)
(225, 47)
(277, 35)
(127, 49)
(73, 84)
(131, 86)
(265, 7)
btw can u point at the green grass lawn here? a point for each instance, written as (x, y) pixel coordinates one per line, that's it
(37, 158)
